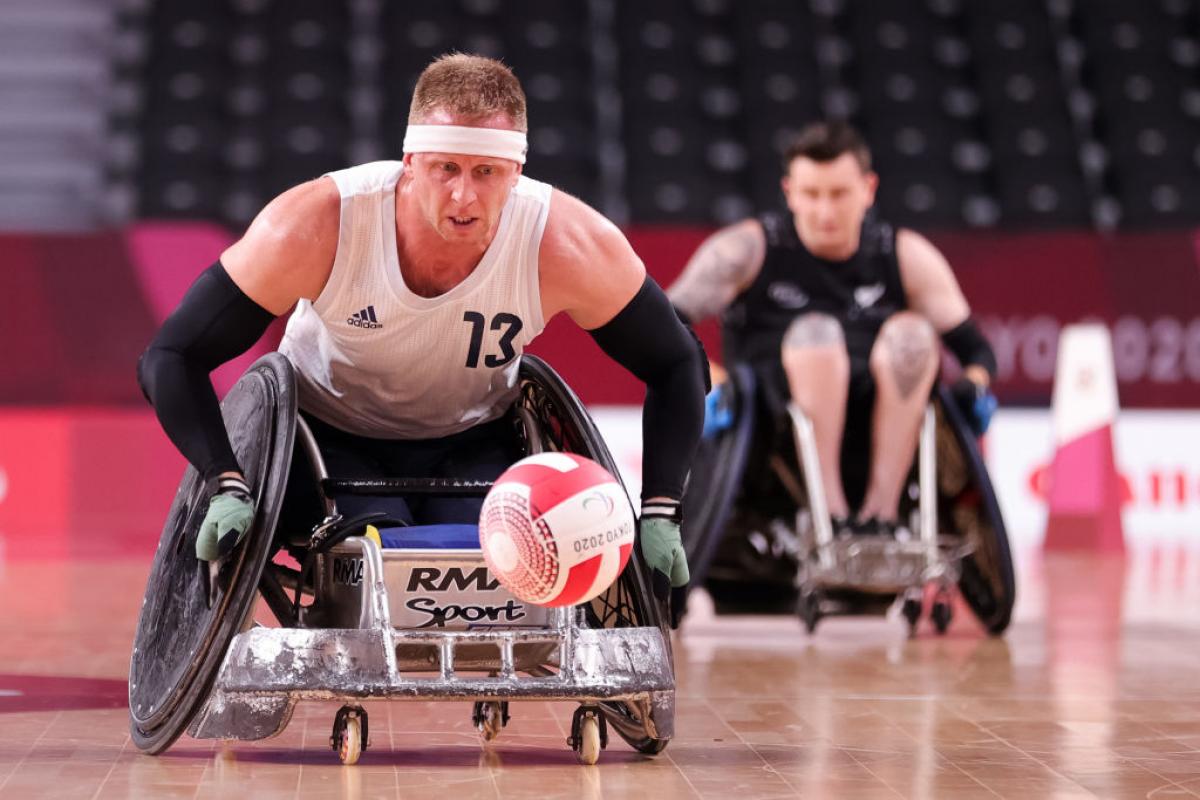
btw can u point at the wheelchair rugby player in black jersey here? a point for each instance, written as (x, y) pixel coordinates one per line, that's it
(838, 314)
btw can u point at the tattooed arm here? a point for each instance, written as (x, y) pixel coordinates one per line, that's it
(720, 270)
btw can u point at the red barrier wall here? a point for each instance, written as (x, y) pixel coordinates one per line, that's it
(1146, 287)
(83, 481)
(72, 320)
(79, 309)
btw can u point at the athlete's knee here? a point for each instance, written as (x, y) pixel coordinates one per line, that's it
(812, 331)
(906, 335)
(906, 350)
(810, 334)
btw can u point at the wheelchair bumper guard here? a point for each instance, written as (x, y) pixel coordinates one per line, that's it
(267, 670)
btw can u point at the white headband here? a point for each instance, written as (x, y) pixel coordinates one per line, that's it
(490, 142)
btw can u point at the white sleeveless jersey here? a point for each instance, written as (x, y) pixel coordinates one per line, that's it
(377, 360)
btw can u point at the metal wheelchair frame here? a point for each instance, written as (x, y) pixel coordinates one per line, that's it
(266, 671)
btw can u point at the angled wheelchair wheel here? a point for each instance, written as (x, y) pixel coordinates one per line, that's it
(967, 507)
(566, 426)
(190, 613)
(716, 477)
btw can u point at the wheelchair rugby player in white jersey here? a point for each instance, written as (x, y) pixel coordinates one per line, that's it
(414, 287)
(835, 317)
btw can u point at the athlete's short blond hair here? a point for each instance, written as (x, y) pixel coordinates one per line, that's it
(470, 86)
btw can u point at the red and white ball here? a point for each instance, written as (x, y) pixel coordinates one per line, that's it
(556, 529)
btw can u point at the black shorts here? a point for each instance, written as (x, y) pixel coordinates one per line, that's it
(478, 453)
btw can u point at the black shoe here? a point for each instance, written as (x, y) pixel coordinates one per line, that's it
(874, 527)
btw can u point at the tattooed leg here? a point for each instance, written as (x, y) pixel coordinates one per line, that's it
(904, 363)
(818, 372)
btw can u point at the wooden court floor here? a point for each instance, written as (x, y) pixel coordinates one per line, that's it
(1094, 692)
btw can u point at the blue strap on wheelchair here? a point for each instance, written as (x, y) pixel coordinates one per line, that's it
(718, 412)
(430, 537)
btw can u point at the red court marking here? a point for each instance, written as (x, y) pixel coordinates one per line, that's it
(60, 693)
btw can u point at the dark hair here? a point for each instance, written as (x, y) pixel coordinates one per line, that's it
(825, 141)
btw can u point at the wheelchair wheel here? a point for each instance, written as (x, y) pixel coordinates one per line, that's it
(566, 427)
(968, 507)
(716, 477)
(190, 613)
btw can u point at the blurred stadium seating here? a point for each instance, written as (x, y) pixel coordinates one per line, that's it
(1023, 114)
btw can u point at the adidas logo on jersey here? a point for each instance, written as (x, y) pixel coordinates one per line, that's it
(364, 319)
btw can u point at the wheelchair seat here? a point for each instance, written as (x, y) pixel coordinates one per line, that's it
(430, 537)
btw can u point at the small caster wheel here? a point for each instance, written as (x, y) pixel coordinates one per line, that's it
(490, 717)
(350, 746)
(912, 613)
(941, 614)
(589, 734)
(349, 737)
(588, 749)
(810, 610)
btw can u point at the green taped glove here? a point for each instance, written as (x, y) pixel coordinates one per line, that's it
(230, 514)
(662, 546)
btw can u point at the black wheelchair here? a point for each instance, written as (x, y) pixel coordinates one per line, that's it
(343, 619)
(759, 539)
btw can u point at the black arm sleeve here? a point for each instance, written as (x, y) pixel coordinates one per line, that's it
(215, 322)
(969, 346)
(705, 373)
(648, 339)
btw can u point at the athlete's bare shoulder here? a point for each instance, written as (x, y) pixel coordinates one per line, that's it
(586, 266)
(287, 252)
(929, 282)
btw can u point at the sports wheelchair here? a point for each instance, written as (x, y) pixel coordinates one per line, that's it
(345, 625)
(759, 538)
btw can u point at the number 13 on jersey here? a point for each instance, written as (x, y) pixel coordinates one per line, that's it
(511, 325)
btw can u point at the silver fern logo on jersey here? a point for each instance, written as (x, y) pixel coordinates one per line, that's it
(364, 319)
(867, 296)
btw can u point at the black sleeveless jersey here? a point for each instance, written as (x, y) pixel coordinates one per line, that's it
(860, 292)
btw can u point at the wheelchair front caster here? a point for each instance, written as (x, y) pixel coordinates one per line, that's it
(941, 613)
(810, 610)
(589, 734)
(349, 737)
(490, 717)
